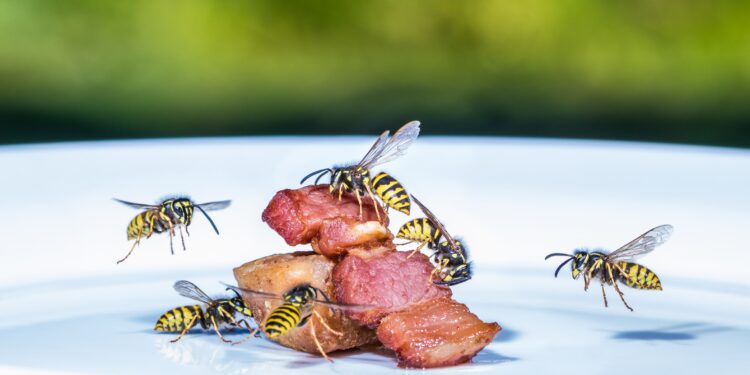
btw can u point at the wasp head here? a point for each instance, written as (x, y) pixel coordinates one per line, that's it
(180, 210)
(578, 260)
(301, 295)
(239, 304)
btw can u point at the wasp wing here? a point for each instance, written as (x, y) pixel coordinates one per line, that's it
(213, 206)
(376, 149)
(437, 224)
(643, 244)
(345, 306)
(250, 293)
(203, 207)
(190, 290)
(136, 205)
(395, 146)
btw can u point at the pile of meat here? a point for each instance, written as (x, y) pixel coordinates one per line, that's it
(355, 262)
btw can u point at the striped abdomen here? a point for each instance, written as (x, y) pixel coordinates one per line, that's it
(419, 230)
(637, 276)
(391, 192)
(282, 320)
(177, 319)
(144, 224)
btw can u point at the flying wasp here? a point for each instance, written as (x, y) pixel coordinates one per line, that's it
(617, 265)
(450, 255)
(356, 178)
(297, 309)
(217, 313)
(170, 214)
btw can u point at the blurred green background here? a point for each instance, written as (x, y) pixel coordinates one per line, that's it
(672, 71)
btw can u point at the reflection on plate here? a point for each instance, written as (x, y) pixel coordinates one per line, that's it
(548, 325)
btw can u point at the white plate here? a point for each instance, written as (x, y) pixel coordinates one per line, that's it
(66, 307)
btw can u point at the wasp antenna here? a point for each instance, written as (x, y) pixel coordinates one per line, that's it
(325, 297)
(321, 171)
(557, 255)
(561, 265)
(234, 290)
(322, 174)
(209, 218)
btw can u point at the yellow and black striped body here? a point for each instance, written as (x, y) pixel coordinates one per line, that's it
(631, 274)
(352, 179)
(356, 179)
(167, 215)
(420, 230)
(177, 319)
(282, 320)
(391, 192)
(295, 311)
(147, 223)
(453, 265)
(637, 276)
(220, 312)
(179, 210)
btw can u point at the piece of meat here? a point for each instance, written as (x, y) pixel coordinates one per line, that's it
(337, 236)
(435, 333)
(313, 214)
(281, 272)
(384, 278)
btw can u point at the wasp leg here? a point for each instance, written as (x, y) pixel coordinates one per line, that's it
(438, 269)
(151, 228)
(182, 238)
(590, 271)
(323, 322)
(604, 295)
(617, 289)
(586, 282)
(184, 331)
(341, 191)
(171, 234)
(417, 249)
(253, 332)
(359, 201)
(216, 328)
(187, 231)
(317, 343)
(137, 241)
(374, 201)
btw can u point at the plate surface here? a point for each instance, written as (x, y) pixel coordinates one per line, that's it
(66, 307)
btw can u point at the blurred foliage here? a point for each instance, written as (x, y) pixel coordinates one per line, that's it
(667, 70)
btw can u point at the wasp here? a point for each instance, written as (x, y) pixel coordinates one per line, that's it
(170, 214)
(450, 255)
(297, 310)
(356, 178)
(617, 265)
(217, 313)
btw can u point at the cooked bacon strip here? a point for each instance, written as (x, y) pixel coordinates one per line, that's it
(312, 214)
(279, 273)
(435, 333)
(382, 277)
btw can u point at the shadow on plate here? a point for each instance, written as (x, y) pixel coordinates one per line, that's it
(679, 332)
(507, 335)
(489, 357)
